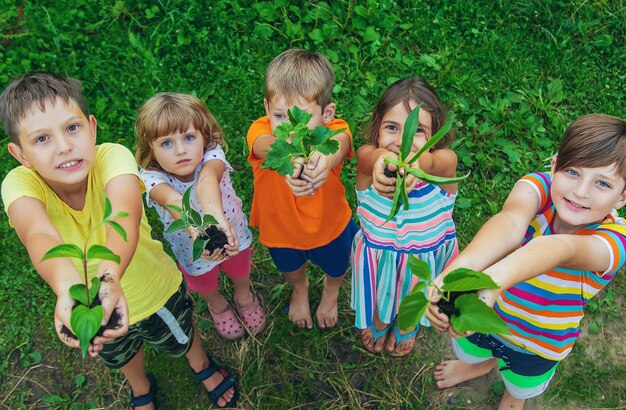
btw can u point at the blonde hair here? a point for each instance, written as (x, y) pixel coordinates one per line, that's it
(298, 73)
(167, 113)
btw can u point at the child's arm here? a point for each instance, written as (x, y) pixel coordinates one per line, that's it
(366, 157)
(210, 196)
(319, 166)
(59, 273)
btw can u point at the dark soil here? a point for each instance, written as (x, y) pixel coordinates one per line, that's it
(390, 174)
(113, 323)
(217, 238)
(447, 306)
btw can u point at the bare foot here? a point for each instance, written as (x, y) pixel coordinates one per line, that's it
(449, 373)
(401, 349)
(367, 337)
(326, 313)
(212, 382)
(299, 309)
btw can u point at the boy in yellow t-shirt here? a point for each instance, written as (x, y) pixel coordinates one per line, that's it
(305, 216)
(57, 195)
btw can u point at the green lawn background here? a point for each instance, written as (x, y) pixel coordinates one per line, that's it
(515, 74)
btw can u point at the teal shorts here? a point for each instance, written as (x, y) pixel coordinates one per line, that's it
(525, 374)
(169, 330)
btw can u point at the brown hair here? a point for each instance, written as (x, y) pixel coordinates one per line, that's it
(405, 91)
(167, 113)
(36, 88)
(298, 73)
(592, 141)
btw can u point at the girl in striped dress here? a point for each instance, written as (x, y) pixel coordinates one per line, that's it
(557, 242)
(380, 251)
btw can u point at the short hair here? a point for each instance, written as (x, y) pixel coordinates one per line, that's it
(36, 88)
(405, 91)
(298, 73)
(592, 141)
(167, 113)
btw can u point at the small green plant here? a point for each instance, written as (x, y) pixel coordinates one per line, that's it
(458, 300)
(294, 139)
(209, 236)
(87, 314)
(403, 162)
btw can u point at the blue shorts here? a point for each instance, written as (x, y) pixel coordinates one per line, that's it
(333, 258)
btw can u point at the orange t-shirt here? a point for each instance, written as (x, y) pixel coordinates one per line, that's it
(288, 221)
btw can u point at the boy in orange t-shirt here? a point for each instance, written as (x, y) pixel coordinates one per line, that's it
(304, 216)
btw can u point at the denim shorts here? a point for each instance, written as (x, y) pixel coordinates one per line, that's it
(333, 258)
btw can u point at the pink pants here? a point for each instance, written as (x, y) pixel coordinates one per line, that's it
(237, 267)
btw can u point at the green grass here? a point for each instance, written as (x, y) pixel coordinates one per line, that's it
(515, 74)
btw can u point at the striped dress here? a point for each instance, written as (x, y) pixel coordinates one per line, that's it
(380, 251)
(543, 314)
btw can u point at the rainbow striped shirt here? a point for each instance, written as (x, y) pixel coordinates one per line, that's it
(544, 313)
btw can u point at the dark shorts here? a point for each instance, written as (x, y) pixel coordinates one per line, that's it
(169, 330)
(333, 258)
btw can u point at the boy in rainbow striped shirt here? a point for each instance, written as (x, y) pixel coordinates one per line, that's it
(555, 244)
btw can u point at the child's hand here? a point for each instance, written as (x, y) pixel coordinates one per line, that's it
(384, 185)
(232, 248)
(317, 169)
(298, 186)
(62, 313)
(113, 299)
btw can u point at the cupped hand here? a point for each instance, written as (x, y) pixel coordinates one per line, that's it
(299, 187)
(62, 314)
(316, 170)
(113, 300)
(384, 185)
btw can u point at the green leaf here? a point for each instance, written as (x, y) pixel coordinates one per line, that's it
(195, 217)
(327, 148)
(121, 214)
(408, 132)
(118, 228)
(431, 179)
(186, 202)
(283, 131)
(93, 289)
(278, 158)
(107, 208)
(411, 310)
(476, 316)
(397, 201)
(79, 293)
(102, 252)
(433, 140)
(297, 116)
(208, 220)
(198, 247)
(463, 279)
(174, 208)
(65, 250)
(419, 268)
(85, 323)
(177, 225)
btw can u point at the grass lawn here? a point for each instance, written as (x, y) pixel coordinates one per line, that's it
(515, 74)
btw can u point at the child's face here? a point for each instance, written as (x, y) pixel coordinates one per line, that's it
(392, 125)
(179, 153)
(583, 196)
(276, 109)
(59, 143)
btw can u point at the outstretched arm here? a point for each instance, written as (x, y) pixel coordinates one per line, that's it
(319, 166)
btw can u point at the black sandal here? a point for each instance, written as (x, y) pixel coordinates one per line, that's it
(147, 398)
(221, 388)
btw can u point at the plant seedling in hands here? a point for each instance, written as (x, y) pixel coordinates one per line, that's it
(87, 314)
(294, 139)
(458, 300)
(403, 162)
(209, 236)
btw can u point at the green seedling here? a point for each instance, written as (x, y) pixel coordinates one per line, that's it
(209, 236)
(458, 300)
(403, 162)
(87, 314)
(294, 139)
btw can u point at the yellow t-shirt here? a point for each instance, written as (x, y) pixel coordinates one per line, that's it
(152, 277)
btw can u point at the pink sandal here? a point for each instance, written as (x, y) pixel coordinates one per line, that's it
(252, 315)
(227, 324)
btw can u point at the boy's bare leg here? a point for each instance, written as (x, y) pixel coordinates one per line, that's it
(135, 373)
(198, 361)
(326, 313)
(449, 373)
(511, 403)
(299, 309)
(243, 295)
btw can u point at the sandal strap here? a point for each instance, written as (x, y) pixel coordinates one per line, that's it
(402, 337)
(227, 382)
(222, 388)
(147, 398)
(206, 373)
